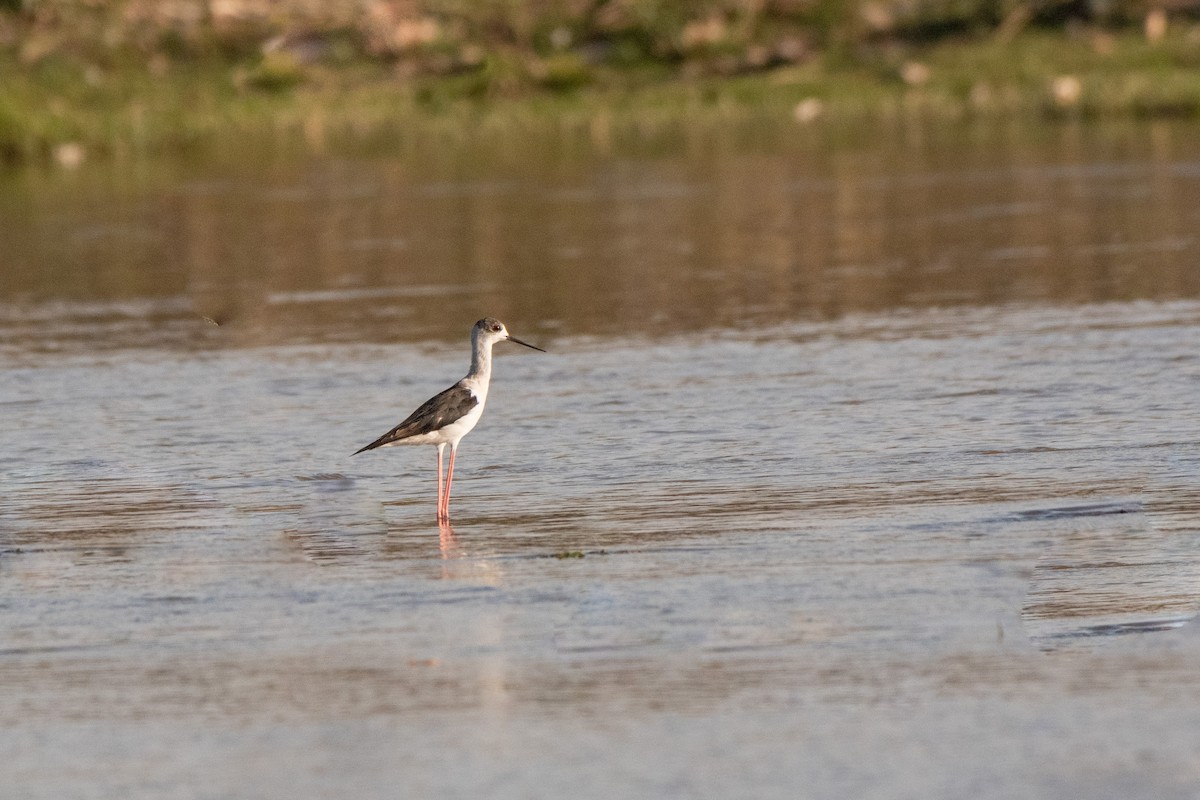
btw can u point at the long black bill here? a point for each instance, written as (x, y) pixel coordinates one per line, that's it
(527, 344)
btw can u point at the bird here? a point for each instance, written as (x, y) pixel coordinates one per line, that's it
(448, 416)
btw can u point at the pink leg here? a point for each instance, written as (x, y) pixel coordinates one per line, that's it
(449, 477)
(439, 513)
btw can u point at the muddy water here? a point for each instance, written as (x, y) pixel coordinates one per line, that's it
(854, 470)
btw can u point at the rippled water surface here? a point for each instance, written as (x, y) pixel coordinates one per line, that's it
(855, 469)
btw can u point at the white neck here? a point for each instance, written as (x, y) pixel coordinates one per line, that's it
(481, 359)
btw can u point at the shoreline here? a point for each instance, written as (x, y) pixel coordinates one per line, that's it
(61, 114)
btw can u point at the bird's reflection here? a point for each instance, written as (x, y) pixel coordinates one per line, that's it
(450, 546)
(465, 562)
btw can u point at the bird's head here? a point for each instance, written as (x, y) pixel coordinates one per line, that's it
(492, 330)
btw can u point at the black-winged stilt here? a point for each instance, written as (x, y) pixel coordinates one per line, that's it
(447, 417)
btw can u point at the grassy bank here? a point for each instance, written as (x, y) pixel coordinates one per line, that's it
(64, 98)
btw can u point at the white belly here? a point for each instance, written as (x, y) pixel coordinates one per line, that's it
(460, 427)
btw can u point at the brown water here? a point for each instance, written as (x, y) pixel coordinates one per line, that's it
(861, 468)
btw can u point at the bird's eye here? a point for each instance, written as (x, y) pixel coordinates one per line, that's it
(496, 328)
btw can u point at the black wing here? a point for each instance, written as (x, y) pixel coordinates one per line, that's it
(437, 412)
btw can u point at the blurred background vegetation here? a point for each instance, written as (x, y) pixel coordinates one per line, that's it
(133, 76)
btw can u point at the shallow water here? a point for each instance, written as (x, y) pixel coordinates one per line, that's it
(865, 470)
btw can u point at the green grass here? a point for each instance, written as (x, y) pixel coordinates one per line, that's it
(129, 110)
